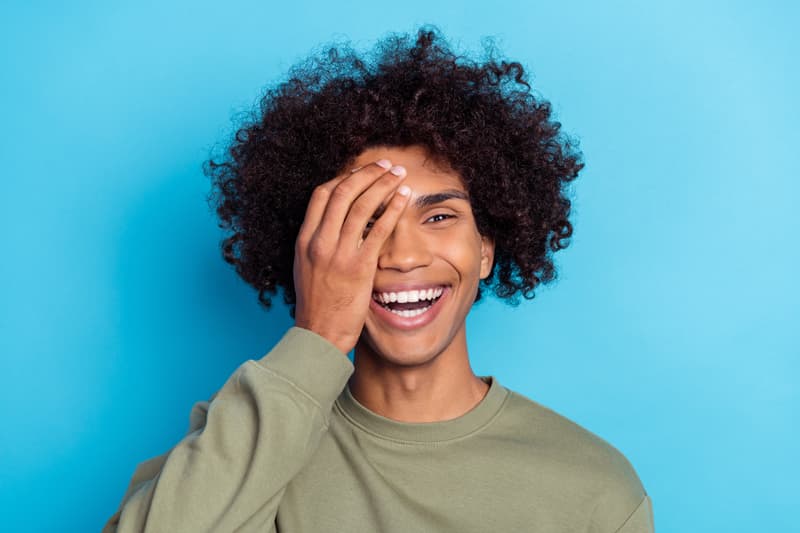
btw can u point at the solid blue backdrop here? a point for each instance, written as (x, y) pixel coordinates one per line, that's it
(672, 332)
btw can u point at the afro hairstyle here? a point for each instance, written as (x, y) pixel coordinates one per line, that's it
(481, 118)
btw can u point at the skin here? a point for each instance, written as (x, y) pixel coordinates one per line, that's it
(422, 375)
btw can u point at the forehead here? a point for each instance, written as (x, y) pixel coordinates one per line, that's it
(424, 173)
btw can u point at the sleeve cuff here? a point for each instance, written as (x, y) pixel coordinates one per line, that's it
(311, 363)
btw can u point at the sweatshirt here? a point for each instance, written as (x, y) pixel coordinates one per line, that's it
(283, 446)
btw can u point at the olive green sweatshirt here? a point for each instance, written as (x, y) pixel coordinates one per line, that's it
(284, 447)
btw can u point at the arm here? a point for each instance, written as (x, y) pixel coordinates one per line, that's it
(265, 423)
(243, 447)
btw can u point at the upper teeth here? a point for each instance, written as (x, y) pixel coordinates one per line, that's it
(408, 296)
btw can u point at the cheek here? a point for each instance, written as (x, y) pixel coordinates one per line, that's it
(463, 253)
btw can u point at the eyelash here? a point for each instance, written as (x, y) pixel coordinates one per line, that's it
(443, 215)
(371, 222)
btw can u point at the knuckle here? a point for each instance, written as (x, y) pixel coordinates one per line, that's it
(379, 230)
(321, 190)
(301, 242)
(359, 210)
(317, 249)
(321, 193)
(343, 190)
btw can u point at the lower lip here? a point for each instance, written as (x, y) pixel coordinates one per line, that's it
(409, 323)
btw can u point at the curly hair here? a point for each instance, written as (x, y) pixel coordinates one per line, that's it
(480, 118)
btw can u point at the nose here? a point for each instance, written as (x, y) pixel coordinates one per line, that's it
(405, 249)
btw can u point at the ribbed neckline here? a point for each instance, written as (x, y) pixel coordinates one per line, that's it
(425, 432)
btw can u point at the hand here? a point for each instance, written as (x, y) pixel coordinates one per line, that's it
(334, 263)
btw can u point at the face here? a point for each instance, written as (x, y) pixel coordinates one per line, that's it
(435, 249)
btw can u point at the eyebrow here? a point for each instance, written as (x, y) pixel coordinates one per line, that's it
(427, 200)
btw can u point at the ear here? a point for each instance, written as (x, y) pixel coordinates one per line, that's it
(487, 256)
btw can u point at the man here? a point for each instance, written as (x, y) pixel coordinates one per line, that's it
(447, 177)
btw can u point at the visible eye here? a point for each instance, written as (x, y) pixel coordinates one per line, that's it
(441, 217)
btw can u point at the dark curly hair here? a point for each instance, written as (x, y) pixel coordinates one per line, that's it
(479, 118)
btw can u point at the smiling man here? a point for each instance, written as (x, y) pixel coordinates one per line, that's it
(411, 362)
(382, 197)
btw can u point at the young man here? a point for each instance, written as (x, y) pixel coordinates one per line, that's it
(447, 176)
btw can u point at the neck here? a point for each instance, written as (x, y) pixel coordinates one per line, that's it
(441, 388)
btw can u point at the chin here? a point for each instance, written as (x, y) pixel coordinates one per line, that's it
(399, 351)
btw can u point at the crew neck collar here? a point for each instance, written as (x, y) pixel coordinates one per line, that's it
(425, 432)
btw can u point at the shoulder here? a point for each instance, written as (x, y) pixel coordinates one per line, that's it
(584, 463)
(548, 431)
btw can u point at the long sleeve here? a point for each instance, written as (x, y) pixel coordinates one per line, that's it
(244, 446)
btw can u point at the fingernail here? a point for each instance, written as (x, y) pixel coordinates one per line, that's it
(397, 170)
(384, 163)
(404, 190)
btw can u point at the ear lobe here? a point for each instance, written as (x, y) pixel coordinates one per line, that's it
(487, 256)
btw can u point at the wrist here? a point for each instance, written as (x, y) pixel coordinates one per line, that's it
(344, 343)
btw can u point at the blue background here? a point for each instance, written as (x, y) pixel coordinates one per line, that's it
(672, 332)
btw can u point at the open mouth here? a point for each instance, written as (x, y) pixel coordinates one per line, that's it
(409, 304)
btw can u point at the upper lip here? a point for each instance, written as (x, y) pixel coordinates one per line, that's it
(401, 287)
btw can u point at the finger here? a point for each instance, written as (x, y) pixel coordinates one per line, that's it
(384, 226)
(370, 205)
(344, 194)
(320, 197)
(314, 211)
